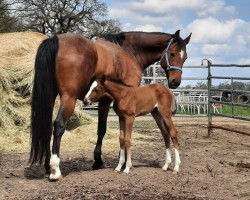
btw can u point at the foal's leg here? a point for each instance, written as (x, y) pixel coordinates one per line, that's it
(122, 145)
(129, 126)
(103, 110)
(161, 124)
(65, 111)
(173, 134)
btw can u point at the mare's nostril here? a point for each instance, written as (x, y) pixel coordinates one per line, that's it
(173, 83)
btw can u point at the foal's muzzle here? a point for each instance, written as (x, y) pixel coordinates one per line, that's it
(86, 102)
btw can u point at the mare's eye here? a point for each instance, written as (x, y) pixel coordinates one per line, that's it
(172, 55)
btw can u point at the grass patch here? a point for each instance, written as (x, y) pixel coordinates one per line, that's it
(137, 124)
(238, 111)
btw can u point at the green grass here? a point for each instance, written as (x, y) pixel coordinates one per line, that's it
(226, 110)
(238, 111)
(137, 124)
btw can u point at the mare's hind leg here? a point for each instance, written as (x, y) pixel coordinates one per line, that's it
(65, 111)
(161, 124)
(103, 110)
(48, 153)
(173, 134)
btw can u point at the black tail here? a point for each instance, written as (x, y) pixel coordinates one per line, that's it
(42, 97)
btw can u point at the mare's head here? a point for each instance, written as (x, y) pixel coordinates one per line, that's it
(147, 48)
(173, 59)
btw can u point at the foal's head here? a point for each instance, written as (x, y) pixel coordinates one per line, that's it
(173, 59)
(106, 87)
(99, 92)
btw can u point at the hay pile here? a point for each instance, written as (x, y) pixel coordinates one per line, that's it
(17, 55)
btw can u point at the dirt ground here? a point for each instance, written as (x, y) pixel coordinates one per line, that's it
(212, 168)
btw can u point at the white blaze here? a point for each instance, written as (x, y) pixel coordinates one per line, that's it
(94, 84)
(181, 53)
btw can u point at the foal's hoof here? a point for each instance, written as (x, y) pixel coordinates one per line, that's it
(52, 179)
(175, 172)
(97, 165)
(116, 171)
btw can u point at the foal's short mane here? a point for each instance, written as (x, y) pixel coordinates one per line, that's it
(118, 81)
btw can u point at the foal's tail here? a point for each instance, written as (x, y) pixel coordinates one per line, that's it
(43, 97)
(174, 107)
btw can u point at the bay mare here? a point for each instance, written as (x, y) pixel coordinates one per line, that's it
(130, 102)
(68, 64)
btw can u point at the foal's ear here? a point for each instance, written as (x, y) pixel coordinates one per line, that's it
(103, 79)
(187, 39)
(177, 35)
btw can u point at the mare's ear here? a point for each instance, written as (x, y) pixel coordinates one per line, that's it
(103, 79)
(177, 35)
(187, 39)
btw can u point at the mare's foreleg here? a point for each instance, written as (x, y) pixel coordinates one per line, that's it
(128, 131)
(65, 111)
(103, 110)
(122, 144)
(161, 124)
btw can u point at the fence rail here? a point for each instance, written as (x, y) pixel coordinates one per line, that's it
(231, 102)
(197, 100)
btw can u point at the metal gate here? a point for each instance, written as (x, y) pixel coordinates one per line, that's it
(232, 103)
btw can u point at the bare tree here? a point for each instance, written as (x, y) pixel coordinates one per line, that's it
(8, 21)
(50, 17)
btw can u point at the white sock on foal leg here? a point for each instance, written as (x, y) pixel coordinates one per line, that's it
(168, 159)
(54, 165)
(128, 165)
(177, 161)
(121, 160)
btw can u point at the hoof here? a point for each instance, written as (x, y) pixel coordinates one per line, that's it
(97, 165)
(175, 172)
(116, 171)
(55, 179)
(126, 171)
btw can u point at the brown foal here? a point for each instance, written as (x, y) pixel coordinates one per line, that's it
(130, 102)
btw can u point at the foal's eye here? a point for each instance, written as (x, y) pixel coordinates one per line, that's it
(172, 55)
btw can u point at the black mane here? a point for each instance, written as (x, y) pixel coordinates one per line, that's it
(118, 81)
(118, 38)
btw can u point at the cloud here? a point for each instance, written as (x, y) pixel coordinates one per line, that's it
(214, 31)
(201, 8)
(215, 49)
(223, 40)
(244, 61)
(148, 28)
(217, 32)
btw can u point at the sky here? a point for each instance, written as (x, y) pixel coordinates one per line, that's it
(220, 28)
